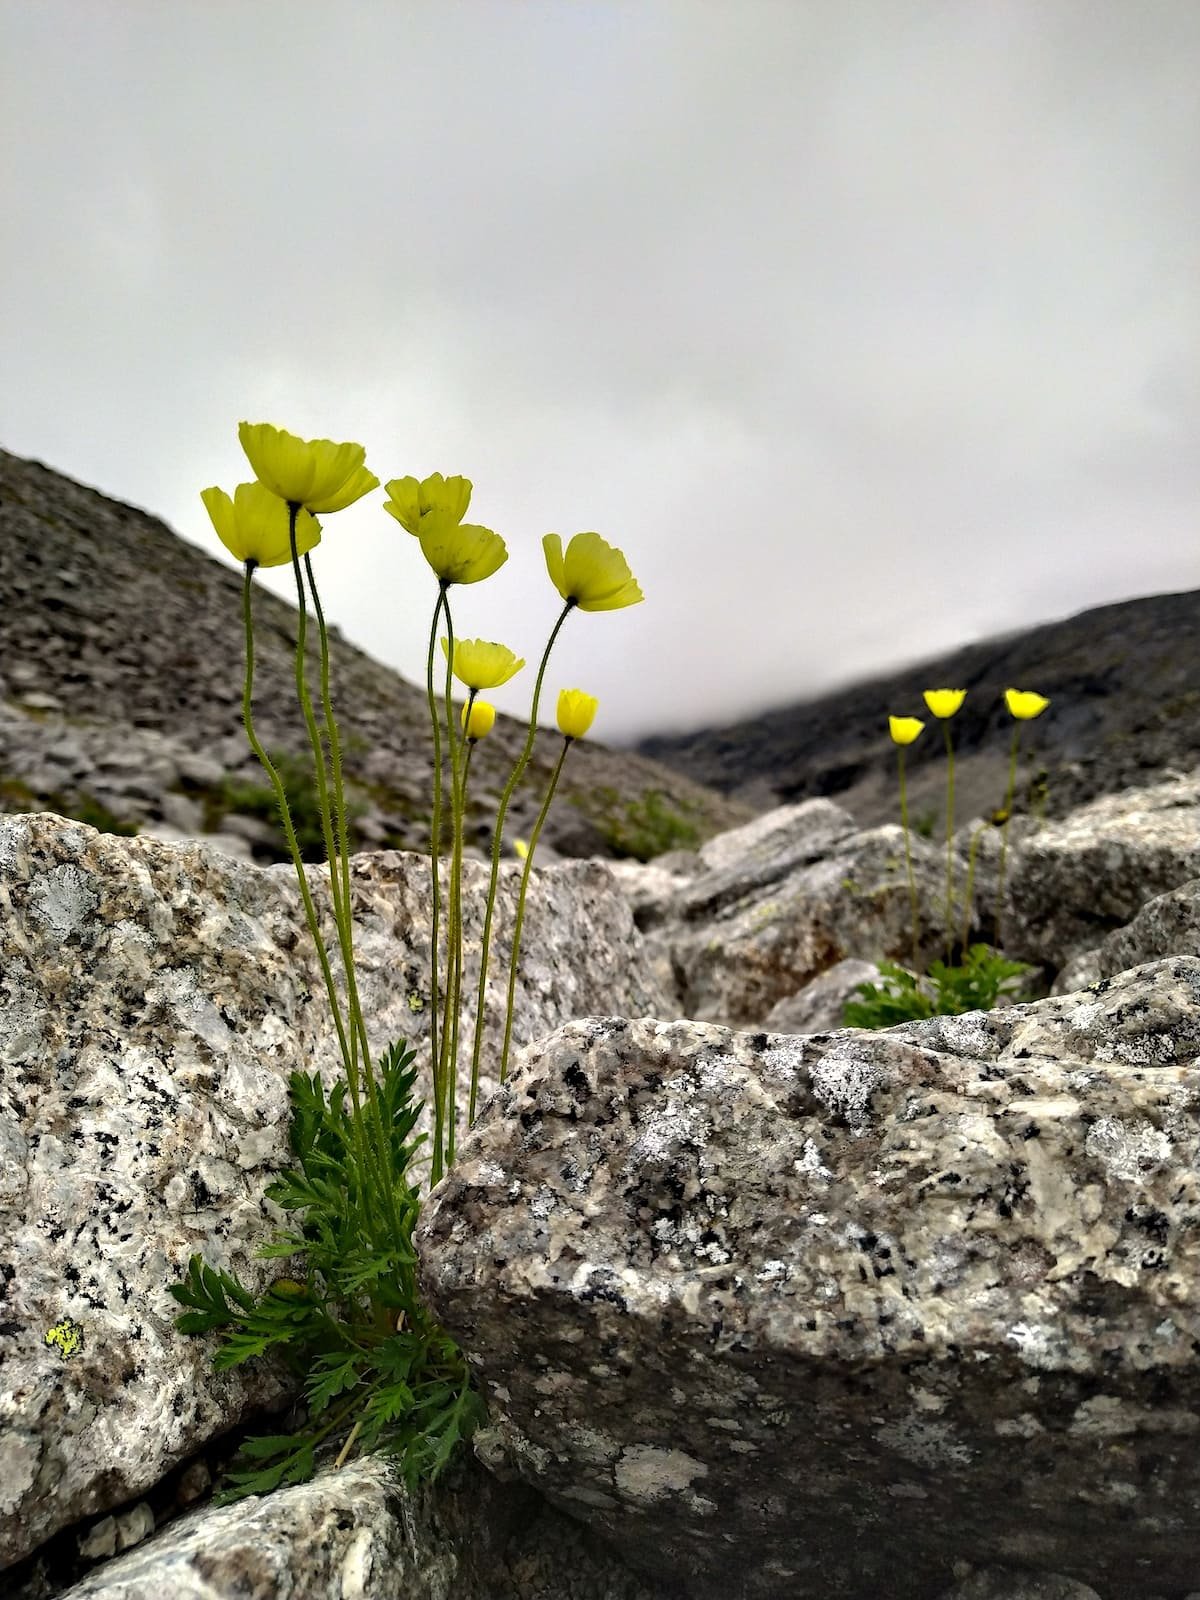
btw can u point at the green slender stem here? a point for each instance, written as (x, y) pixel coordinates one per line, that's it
(497, 841)
(969, 892)
(949, 840)
(516, 939)
(458, 943)
(285, 817)
(435, 849)
(1008, 807)
(340, 864)
(908, 861)
(374, 1149)
(454, 930)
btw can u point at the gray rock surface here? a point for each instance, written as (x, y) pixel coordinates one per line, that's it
(998, 1583)
(822, 1317)
(357, 1534)
(153, 1001)
(820, 1004)
(786, 898)
(1168, 925)
(1088, 875)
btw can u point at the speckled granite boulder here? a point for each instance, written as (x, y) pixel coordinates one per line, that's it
(820, 1004)
(153, 1000)
(357, 1534)
(807, 893)
(1088, 875)
(820, 1317)
(1168, 925)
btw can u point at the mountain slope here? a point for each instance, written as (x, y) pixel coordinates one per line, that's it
(1124, 685)
(120, 699)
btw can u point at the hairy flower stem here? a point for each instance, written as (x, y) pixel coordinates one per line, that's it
(949, 841)
(516, 938)
(435, 848)
(1008, 807)
(285, 817)
(497, 841)
(449, 1064)
(375, 1150)
(908, 862)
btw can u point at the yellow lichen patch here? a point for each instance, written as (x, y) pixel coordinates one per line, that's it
(66, 1337)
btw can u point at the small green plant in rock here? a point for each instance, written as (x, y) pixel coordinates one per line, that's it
(374, 1364)
(376, 1369)
(981, 979)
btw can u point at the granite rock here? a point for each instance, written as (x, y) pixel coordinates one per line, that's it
(819, 1006)
(823, 1317)
(154, 999)
(358, 1534)
(1085, 877)
(788, 897)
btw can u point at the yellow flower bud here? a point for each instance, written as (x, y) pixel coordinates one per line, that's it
(944, 702)
(314, 473)
(591, 574)
(576, 711)
(482, 663)
(904, 729)
(253, 526)
(520, 849)
(1024, 703)
(481, 721)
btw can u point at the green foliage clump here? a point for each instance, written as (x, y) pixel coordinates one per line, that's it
(947, 991)
(641, 828)
(375, 1367)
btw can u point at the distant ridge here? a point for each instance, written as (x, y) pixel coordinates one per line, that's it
(1124, 685)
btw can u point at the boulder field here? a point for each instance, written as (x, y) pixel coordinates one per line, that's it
(759, 1305)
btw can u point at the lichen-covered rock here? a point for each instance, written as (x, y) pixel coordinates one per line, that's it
(808, 892)
(1168, 925)
(821, 1317)
(820, 1004)
(153, 1001)
(1090, 874)
(357, 1534)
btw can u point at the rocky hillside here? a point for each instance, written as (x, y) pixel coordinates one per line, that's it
(1124, 683)
(118, 706)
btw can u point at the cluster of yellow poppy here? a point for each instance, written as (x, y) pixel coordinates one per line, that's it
(273, 522)
(1023, 704)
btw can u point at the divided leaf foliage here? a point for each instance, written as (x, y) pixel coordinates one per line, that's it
(372, 1361)
(948, 991)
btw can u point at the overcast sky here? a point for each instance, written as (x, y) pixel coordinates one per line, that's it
(864, 327)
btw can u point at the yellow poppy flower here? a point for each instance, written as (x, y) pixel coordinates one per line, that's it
(590, 574)
(944, 702)
(412, 502)
(463, 554)
(1024, 703)
(904, 729)
(576, 712)
(314, 473)
(483, 664)
(481, 721)
(253, 526)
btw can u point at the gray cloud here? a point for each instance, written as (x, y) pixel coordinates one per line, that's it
(864, 328)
